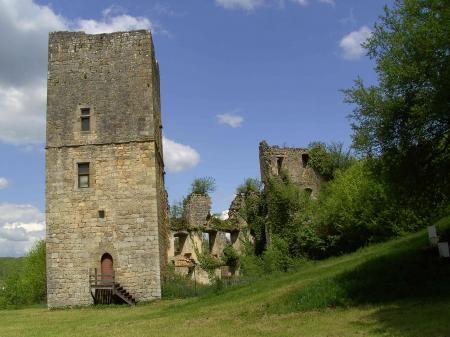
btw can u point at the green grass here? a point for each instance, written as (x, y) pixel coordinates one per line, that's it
(398, 288)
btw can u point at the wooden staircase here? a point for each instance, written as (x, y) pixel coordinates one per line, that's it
(105, 290)
(123, 294)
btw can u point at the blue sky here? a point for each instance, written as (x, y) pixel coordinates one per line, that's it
(233, 72)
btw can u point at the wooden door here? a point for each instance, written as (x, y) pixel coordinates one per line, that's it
(107, 268)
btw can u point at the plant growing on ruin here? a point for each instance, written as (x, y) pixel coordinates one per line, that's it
(231, 256)
(250, 185)
(328, 158)
(203, 186)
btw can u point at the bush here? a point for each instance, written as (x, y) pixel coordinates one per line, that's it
(250, 185)
(27, 285)
(203, 186)
(328, 159)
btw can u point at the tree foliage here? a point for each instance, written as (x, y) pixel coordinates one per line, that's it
(203, 186)
(27, 284)
(404, 120)
(327, 159)
(250, 185)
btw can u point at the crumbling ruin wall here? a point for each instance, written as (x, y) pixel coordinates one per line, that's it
(197, 209)
(294, 161)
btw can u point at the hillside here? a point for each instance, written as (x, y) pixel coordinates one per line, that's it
(398, 288)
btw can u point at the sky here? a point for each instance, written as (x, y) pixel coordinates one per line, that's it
(233, 73)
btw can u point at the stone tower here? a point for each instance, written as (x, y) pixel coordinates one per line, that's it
(291, 160)
(105, 196)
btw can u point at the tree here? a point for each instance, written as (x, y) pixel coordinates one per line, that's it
(404, 120)
(327, 159)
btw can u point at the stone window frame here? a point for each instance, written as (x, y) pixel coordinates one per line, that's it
(92, 118)
(91, 174)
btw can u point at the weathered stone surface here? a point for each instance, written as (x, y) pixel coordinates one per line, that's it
(117, 77)
(197, 210)
(293, 161)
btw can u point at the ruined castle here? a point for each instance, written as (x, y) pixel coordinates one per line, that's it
(105, 196)
(108, 234)
(293, 161)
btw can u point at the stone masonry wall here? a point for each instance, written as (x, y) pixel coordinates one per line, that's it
(123, 185)
(116, 76)
(292, 162)
(197, 208)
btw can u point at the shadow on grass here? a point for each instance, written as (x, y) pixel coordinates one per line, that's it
(410, 273)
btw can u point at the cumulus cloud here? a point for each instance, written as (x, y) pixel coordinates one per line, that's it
(351, 43)
(21, 225)
(224, 215)
(4, 183)
(230, 119)
(179, 157)
(23, 61)
(113, 20)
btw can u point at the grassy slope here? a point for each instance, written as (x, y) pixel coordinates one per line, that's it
(388, 289)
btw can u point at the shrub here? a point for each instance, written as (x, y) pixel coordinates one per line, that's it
(328, 159)
(203, 186)
(27, 284)
(250, 185)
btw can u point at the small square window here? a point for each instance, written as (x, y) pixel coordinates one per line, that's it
(83, 175)
(101, 214)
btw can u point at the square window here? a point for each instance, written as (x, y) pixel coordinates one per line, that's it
(101, 214)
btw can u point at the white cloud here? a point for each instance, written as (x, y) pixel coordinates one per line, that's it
(110, 23)
(224, 215)
(230, 119)
(21, 225)
(4, 183)
(24, 27)
(179, 157)
(351, 43)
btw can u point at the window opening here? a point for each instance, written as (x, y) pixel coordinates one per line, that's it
(305, 159)
(83, 175)
(279, 164)
(85, 119)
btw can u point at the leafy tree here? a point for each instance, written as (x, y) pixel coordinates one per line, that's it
(327, 159)
(203, 186)
(27, 284)
(404, 120)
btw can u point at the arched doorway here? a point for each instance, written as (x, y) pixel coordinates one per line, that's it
(107, 268)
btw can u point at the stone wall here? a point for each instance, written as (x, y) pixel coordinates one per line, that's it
(116, 76)
(294, 161)
(197, 210)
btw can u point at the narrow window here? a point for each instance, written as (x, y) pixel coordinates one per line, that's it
(228, 238)
(305, 159)
(177, 246)
(83, 175)
(85, 119)
(279, 164)
(101, 214)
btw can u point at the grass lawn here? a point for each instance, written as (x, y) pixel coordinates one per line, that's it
(398, 288)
